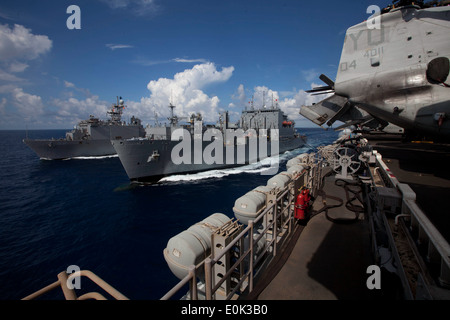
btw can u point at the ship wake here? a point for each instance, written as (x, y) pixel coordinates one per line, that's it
(260, 167)
(88, 157)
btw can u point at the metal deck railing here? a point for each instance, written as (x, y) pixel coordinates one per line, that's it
(433, 249)
(279, 213)
(64, 282)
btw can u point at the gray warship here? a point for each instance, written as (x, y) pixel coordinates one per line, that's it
(90, 138)
(207, 147)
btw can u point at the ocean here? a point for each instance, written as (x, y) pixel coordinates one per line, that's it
(85, 212)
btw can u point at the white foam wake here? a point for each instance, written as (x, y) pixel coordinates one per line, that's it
(95, 157)
(254, 168)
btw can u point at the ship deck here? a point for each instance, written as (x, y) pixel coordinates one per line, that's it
(328, 260)
(425, 167)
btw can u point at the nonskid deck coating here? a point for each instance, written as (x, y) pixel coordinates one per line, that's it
(329, 260)
(424, 166)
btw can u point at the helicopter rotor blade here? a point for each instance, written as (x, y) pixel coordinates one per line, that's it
(318, 89)
(327, 80)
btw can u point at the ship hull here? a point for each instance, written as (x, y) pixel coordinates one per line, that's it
(96, 145)
(63, 149)
(148, 161)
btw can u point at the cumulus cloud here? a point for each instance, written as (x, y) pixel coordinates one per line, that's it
(19, 43)
(18, 47)
(264, 96)
(240, 96)
(185, 91)
(21, 107)
(16, 67)
(29, 106)
(73, 110)
(8, 77)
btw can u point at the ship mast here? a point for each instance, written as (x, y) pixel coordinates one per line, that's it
(116, 110)
(173, 118)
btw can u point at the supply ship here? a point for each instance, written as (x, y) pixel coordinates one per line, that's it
(90, 138)
(195, 147)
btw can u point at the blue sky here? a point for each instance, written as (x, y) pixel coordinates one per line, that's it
(205, 56)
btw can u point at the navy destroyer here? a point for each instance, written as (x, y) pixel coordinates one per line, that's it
(91, 137)
(194, 147)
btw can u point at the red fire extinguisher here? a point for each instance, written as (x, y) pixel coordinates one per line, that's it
(301, 204)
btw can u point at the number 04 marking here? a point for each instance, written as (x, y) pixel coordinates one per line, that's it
(344, 66)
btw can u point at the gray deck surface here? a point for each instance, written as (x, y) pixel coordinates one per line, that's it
(329, 260)
(426, 168)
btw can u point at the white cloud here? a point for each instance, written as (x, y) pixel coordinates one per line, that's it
(263, 96)
(119, 46)
(3, 106)
(185, 91)
(20, 108)
(138, 7)
(150, 62)
(240, 96)
(29, 106)
(68, 84)
(292, 105)
(72, 110)
(310, 74)
(17, 46)
(190, 60)
(19, 43)
(8, 77)
(17, 67)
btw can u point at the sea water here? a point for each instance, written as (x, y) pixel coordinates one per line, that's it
(85, 212)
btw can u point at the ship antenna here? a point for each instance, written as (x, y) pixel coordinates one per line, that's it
(173, 119)
(264, 100)
(156, 119)
(171, 106)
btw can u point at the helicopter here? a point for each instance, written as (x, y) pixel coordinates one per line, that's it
(394, 73)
